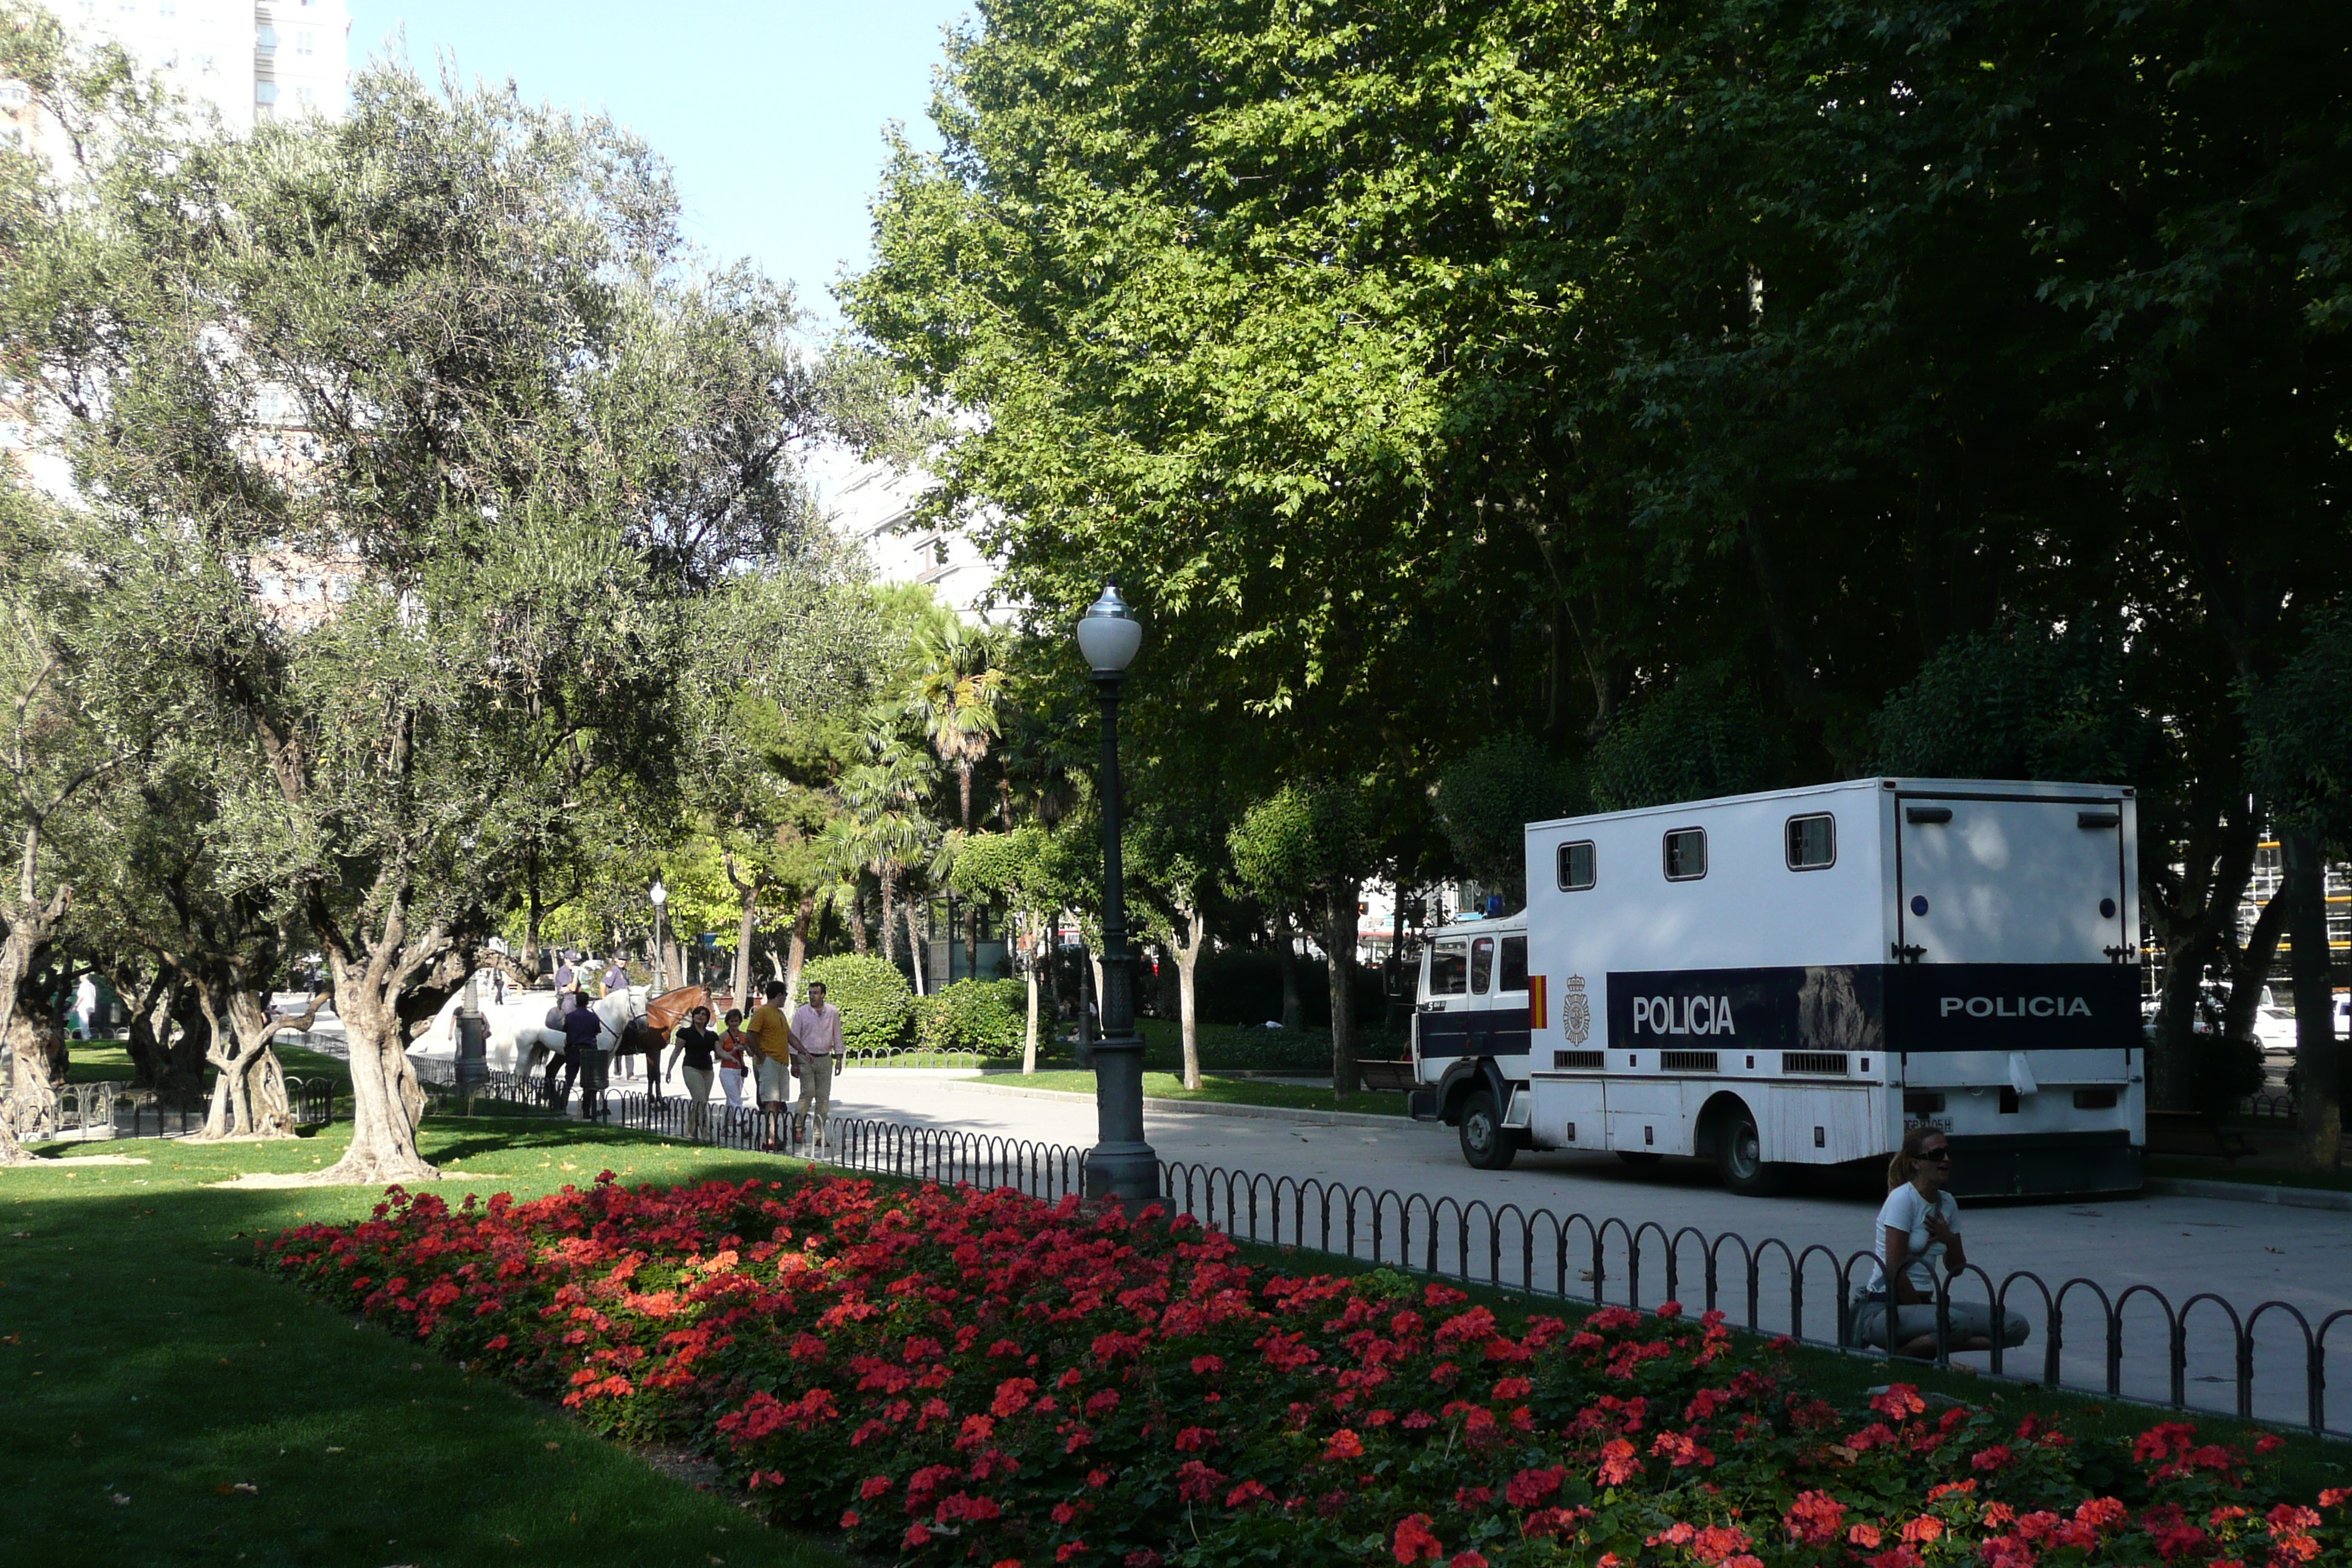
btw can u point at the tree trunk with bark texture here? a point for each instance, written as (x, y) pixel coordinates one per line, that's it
(2195, 937)
(30, 1107)
(1294, 1006)
(796, 955)
(1340, 948)
(1036, 989)
(2250, 969)
(1192, 933)
(915, 943)
(249, 1098)
(2319, 1127)
(387, 1102)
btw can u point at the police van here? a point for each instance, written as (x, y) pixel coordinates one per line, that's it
(1790, 978)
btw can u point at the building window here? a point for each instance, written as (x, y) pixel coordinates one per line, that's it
(207, 64)
(305, 98)
(302, 41)
(1449, 969)
(1812, 843)
(1686, 854)
(264, 92)
(265, 39)
(1576, 866)
(1514, 964)
(14, 92)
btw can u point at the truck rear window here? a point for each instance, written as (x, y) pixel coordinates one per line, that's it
(1449, 969)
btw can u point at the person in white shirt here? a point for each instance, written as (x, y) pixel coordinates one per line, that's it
(816, 1054)
(1919, 1228)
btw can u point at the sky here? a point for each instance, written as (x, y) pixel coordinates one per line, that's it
(772, 114)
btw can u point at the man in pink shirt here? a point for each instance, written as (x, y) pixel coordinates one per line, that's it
(816, 1050)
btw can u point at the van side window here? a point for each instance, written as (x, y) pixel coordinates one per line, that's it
(1686, 854)
(1514, 964)
(1449, 969)
(1576, 866)
(1481, 963)
(1812, 843)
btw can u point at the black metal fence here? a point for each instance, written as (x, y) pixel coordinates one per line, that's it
(2267, 1363)
(118, 1109)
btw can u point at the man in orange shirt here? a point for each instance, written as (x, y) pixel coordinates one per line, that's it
(770, 1034)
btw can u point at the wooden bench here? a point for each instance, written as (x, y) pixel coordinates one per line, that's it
(1395, 1078)
(2198, 1132)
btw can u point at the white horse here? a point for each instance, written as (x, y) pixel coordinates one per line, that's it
(520, 1039)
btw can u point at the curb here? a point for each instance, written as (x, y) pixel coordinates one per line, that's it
(1200, 1107)
(2249, 1192)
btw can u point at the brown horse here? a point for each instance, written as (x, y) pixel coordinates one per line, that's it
(647, 1034)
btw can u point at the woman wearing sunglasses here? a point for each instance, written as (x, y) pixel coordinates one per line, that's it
(1919, 1229)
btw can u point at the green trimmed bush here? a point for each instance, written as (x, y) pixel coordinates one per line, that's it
(877, 1005)
(990, 1017)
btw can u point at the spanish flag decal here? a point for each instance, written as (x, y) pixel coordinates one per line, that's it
(1537, 1001)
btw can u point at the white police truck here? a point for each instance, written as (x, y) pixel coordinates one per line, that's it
(1790, 978)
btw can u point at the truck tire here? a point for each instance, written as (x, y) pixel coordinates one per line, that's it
(1738, 1155)
(1487, 1143)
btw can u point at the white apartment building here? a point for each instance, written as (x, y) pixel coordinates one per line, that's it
(250, 59)
(873, 504)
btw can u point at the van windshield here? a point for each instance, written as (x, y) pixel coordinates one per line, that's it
(1449, 969)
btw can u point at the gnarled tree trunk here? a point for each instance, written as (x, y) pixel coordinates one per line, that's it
(249, 1098)
(30, 1109)
(2319, 1124)
(387, 1102)
(1339, 947)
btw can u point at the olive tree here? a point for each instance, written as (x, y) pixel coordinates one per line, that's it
(435, 434)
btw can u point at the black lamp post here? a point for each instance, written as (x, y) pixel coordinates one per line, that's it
(1121, 1165)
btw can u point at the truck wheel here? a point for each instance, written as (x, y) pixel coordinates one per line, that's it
(1487, 1144)
(1640, 1156)
(1739, 1156)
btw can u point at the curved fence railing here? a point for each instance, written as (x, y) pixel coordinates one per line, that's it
(2268, 1363)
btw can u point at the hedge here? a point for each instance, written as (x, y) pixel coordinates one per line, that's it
(990, 1017)
(877, 1005)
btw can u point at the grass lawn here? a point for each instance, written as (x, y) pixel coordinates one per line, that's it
(144, 1359)
(1229, 1090)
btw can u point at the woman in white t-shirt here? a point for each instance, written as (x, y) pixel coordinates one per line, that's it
(1919, 1228)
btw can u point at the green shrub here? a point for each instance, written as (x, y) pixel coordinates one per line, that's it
(877, 1005)
(990, 1017)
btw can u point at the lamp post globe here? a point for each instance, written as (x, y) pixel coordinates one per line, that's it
(1121, 1165)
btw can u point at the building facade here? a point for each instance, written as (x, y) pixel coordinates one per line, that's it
(250, 60)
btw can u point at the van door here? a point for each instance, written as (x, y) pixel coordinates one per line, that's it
(1443, 1021)
(2011, 881)
(2013, 934)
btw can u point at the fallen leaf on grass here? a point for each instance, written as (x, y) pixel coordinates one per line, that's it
(553, 1446)
(120, 1501)
(334, 1450)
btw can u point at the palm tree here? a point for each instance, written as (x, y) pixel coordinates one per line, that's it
(886, 830)
(955, 700)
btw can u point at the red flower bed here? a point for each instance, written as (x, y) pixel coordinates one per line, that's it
(979, 1377)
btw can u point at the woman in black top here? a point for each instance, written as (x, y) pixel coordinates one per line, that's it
(695, 1045)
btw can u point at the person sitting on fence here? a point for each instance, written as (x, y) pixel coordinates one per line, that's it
(1919, 1227)
(732, 1044)
(771, 1037)
(695, 1045)
(584, 1058)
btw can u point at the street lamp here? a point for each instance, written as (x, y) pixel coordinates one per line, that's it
(660, 896)
(1121, 1165)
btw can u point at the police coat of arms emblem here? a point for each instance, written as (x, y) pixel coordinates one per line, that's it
(1576, 1012)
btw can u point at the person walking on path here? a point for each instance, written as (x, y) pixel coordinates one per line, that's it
(1919, 1228)
(584, 1058)
(732, 1044)
(771, 1037)
(696, 1047)
(816, 1035)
